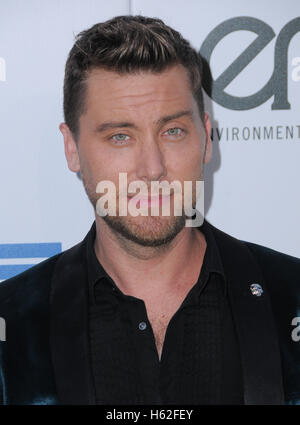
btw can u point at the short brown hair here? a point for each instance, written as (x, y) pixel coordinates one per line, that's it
(126, 44)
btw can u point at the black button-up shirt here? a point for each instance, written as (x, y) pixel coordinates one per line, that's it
(200, 362)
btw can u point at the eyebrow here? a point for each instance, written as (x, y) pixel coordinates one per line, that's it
(125, 124)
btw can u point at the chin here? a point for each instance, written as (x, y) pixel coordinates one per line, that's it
(146, 231)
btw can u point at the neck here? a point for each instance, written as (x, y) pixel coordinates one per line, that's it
(139, 270)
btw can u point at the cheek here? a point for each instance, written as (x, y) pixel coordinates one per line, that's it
(188, 165)
(97, 164)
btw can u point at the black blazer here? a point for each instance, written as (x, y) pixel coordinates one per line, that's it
(45, 358)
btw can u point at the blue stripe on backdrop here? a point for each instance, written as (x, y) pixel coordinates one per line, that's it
(22, 251)
(29, 250)
(7, 271)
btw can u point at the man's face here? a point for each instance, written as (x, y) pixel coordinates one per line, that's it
(148, 126)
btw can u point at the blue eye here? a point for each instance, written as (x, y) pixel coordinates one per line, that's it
(176, 131)
(120, 137)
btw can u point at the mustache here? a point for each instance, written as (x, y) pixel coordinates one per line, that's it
(153, 189)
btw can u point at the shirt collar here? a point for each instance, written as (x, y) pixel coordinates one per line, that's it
(211, 263)
(212, 254)
(95, 270)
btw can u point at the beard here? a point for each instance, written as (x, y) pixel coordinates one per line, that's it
(146, 231)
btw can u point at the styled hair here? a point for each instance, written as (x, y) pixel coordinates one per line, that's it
(126, 44)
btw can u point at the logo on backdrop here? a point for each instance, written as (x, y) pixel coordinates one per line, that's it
(277, 85)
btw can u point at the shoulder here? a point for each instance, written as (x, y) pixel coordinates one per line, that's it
(280, 274)
(272, 257)
(32, 287)
(29, 287)
(281, 271)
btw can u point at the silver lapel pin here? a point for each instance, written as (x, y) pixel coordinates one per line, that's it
(256, 289)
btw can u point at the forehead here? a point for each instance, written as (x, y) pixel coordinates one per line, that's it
(109, 89)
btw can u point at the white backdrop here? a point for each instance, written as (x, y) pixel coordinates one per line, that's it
(252, 185)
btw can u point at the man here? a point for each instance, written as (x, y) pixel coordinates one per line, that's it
(147, 310)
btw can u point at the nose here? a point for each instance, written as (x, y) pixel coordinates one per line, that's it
(150, 162)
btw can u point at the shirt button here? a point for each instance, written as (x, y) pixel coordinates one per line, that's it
(142, 326)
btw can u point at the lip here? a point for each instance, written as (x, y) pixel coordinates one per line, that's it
(146, 202)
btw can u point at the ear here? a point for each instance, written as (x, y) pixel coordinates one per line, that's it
(71, 151)
(208, 142)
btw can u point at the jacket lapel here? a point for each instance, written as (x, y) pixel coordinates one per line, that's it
(254, 321)
(69, 328)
